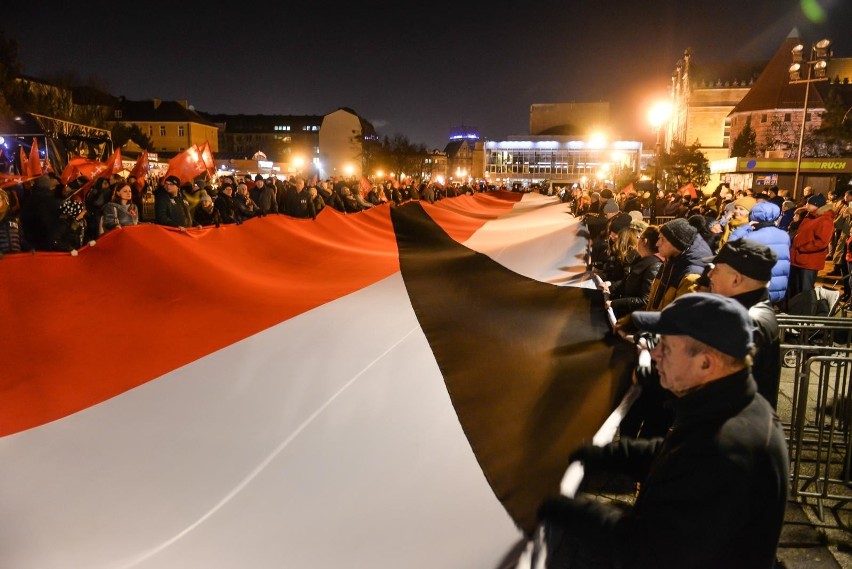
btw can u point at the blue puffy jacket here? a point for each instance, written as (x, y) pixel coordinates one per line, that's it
(765, 214)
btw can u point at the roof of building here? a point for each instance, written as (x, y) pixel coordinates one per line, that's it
(736, 74)
(160, 111)
(773, 89)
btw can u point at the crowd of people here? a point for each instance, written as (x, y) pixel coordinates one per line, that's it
(703, 442)
(804, 235)
(45, 214)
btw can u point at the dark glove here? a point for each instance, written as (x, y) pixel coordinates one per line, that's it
(587, 454)
(560, 510)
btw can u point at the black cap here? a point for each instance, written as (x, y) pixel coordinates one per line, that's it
(258, 178)
(606, 193)
(172, 180)
(748, 257)
(720, 322)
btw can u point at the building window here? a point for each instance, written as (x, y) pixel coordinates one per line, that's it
(787, 117)
(163, 131)
(285, 127)
(118, 113)
(180, 130)
(150, 130)
(763, 117)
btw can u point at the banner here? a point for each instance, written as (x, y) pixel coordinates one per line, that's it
(349, 391)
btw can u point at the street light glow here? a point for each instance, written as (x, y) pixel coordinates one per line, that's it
(659, 113)
(597, 140)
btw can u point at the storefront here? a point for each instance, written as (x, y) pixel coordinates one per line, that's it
(760, 173)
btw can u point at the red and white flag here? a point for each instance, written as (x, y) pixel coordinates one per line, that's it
(269, 385)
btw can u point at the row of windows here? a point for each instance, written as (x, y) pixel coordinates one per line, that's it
(788, 117)
(180, 130)
(558, 162)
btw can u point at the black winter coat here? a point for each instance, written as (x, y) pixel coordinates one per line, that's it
(712, 494)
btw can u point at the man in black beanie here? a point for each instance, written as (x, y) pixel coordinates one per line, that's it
(742, 270)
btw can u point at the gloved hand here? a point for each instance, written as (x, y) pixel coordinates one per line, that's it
(556, 509)
(587, 454)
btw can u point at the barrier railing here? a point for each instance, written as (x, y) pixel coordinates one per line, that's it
(818, 419)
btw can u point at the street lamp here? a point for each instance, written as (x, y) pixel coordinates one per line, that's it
(657, 116)
(816, 63)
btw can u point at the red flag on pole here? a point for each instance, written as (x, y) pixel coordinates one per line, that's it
(79, 166)
(365, 186)
(207, 158)
(140, 170)
(25, 162)
(35, 160)
(186, 165)
(113, 164)
(688, 189)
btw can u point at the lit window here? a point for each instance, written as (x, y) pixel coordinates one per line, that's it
(162, 131)
(180, 130)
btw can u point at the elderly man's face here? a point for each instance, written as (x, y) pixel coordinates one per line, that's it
(665, 248)
(677, 368)
(722, 279)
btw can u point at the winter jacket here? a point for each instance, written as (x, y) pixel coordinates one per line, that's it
(810, 245)
(678, 275)
(116, 214)
(712, 493)
(764, 215)
(171, 211)
(632, 293)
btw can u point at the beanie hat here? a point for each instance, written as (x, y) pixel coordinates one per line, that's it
(172, 180)
(258, 178)
(606, 193)
(817, 200)
(636, 215)
(746, 202)
(610, 207)
(679, 233)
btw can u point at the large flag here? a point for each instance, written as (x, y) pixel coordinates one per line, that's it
(274, 396)
(35, 168)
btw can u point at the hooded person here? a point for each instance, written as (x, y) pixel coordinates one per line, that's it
(810, 245)
(762, 229)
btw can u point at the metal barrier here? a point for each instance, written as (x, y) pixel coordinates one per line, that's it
(816, 353)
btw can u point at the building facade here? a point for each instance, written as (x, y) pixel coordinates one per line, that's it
(562, 160)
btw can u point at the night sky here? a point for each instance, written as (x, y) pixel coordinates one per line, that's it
(413, 68)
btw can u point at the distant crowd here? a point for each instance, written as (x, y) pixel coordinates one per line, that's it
(44, 214)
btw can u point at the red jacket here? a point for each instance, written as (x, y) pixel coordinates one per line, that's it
(810, 244)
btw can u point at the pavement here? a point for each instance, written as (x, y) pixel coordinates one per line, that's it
(814, 537)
